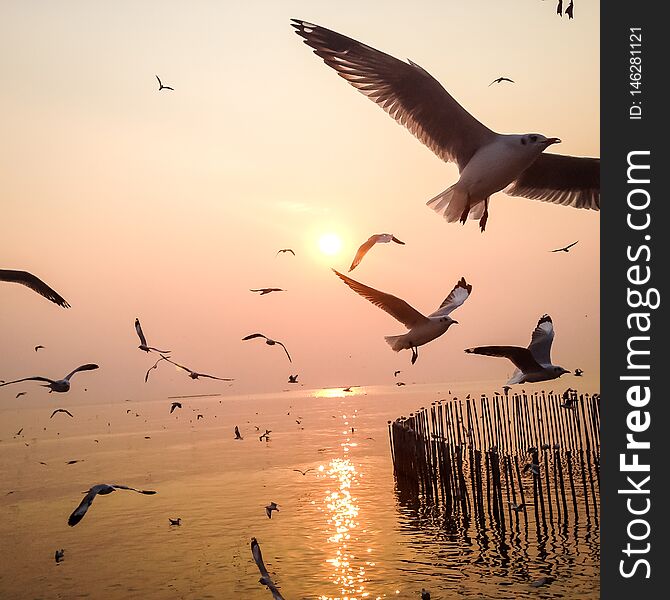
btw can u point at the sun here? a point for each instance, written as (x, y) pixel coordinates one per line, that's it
(330, 244)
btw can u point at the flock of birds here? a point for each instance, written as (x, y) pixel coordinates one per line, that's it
(488, 162)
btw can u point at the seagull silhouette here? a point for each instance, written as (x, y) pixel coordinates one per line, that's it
(174, 405)
(396, 373)
(293, 379)
(422, 329)
(265, 579)
(570, 10)
(58, 556)
(264, 291)
(56, 385)
(238, 435)
(500, 79)
(38, 348)
(146, 376)
(34, 283)
(488, 162)
(143, 341)
(283, 250)
(61, 410)
(102, 489)
(303, 473)
(379, 238)
(268, 341)
(163, 87)
(578, 372)
(194, 374)
(270, 507)
(20, 394)
(565, 248)
(176, 522)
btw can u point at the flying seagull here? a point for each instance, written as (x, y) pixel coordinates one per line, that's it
(38, 348)
(264, 291)
(500, 80)
(143, 340)
(487, 161)
(532, 364)
(163, 87)
(56, 385)
(102, 489)
(270, 507)
(569, 10)
(396, 373)
(59, 410)
(425, 594)
(176, 521)
(285, 250)
(58, 556)
(34, 283)
(516, 507)
(293, 379)
(146, 376)
(303, 473)
(238, 435)
(268, 341)
(422, 329)
(265, 579)
(379, 238)
(559, 8)
(265, 435)
(578, 372)
(565, 248)
(194, 374)
(20, 394)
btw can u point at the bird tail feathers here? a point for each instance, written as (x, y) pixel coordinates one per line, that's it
(396, 342)
(454, 205)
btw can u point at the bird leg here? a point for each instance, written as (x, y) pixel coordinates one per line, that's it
(485, 216)
(465, 213)
(415, 354)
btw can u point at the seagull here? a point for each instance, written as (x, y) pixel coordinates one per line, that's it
(559, 8)
(199, 417)
(266, 435)
(487, 161)
(396, 373)
(176, 521)
(541, 581)
(102, 489)
(422, 329)
(270, 507)
(285, 250)
(194, 374)
(238, 435)
(578, 372)
(303, 473)
(565, 248)
(533, 468)
(268, 341)
(59, 410)
(425, 594)
(59, 555)
(38, 347)
(265, 576)
(532, 364)
(143, 340)
(21, 394)
(379, 238)
(399, 383)
(516, 507)
(293, 379)
(19, 431)
(163, 87)
(569, 10)
(58, 385)
(34, 283)
(500, 80)
(146, 376)
(264, 291)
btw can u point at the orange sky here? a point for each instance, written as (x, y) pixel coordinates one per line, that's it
(169, 206)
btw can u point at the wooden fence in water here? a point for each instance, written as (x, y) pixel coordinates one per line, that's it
(518, 456)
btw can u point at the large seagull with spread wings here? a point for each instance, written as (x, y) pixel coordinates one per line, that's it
(487, 161)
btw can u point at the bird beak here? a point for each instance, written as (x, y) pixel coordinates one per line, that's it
(454, 322)
(551, 141)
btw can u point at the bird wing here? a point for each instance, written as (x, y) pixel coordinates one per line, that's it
(521, 357)
(132, 489)
(86, 367)
(285, 350)
(568, 180)
(29, 379)
(254, 335)
(34, 283)
(541, 339)
(212, 377)
(177, 364)
(159, 81)
(407, 92)
(79, 512)
(396, 307)
(362, 251)
(140, 333)
(456, 297)
(146, 377)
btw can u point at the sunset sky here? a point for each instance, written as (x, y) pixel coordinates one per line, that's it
(169, 206)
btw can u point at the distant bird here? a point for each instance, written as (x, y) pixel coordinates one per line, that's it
(559, 8)
(379, 238)
(19, 431)
(194, 374)
(175, 522)
(270, 507)
(500, 80)
(348, 389)
(61, 410)
(38, 348)
(565, 248)
(265, 579)
(570, 10)
(532, 364)
(303, 473)
(34, 283)
(143, 340)
(400, 383)
(422, 329)
(285, 250)
(146, 376)
(74, 462)
(516, 507)
(425, 594)
(199, 417)
(532, 467)
(264, 291)
(487, 161)
(59, 555)
(396, 373)
(174, 406)
(578, 372)
(58, 385)
(102, 489)
(293, 379)
(238, 435)
(163, 87)
(21, 394)
(268, 341)
(265, 435)
(541, 581)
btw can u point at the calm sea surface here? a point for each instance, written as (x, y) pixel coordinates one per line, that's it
(343, 530)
